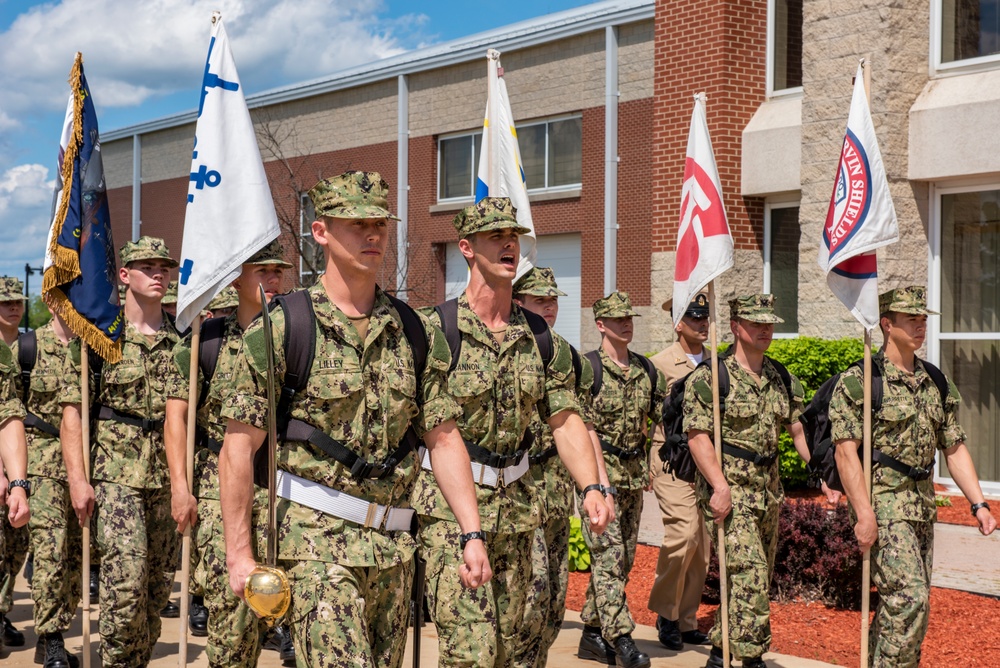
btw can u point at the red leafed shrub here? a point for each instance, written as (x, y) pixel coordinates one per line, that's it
(817, 558)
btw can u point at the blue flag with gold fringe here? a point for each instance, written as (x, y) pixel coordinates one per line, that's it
(79, 277)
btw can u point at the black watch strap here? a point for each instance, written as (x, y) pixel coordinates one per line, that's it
(596, 487)
(610, 490)
(472, 535)
(26, 486)
(977, 506)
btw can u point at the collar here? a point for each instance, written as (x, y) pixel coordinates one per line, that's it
(331, 317)
(470, 323)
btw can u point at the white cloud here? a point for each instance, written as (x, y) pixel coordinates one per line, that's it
(25, 207)
(134, 51)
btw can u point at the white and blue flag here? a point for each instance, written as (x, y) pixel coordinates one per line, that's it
(500, 172)
(230, 214)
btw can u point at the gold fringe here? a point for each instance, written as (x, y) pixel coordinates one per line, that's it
(110, 351)
(66, 263)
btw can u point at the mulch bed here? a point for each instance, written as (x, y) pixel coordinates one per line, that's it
(962, 629)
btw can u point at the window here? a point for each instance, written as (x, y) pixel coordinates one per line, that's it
(781, 264)
(311, 263)
(967, 250)
(785, 42)
(551, 157)
(969, 30)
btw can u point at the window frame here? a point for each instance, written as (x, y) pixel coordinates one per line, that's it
(518, 127)
(305, 233)
(769, 206)
(937, 66)
(771, 44)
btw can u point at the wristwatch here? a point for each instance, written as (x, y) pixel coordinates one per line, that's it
(610, 490)
(596, 487)
(26, 486)
(975, 506)
(472, 535)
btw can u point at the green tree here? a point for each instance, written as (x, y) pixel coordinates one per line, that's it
(38, 312)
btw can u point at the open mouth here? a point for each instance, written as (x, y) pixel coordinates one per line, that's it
(509, 260)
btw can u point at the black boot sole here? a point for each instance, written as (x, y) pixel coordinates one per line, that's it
(590, 655)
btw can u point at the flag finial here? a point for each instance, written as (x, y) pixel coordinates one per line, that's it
(216, 16)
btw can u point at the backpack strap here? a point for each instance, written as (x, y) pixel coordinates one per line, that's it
(595, 361)
(652, 373)
(543, 335)
(209, 348)
(299, 344)
(416, 335)
(939, 379)
(784, 375)
(448, 313)
(27, 354)
(577, 362)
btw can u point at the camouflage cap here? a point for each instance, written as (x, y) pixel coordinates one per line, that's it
(170, 296)
(146, 248)
(539, 282)
(353, 195)
(273, 253)
(486, 215)
(11, 289)
(228, 298)
(911, 299)
(698, 308)
(615, 305)
(754, 308)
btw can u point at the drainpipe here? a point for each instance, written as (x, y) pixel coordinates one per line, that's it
(136, 186)
(402, 187)
(611, 95)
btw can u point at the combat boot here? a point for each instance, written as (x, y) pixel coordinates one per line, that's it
(51, 652)
(594, 647)
(757, 662)
(198, 617)
(669, 633)
(630, 656)
(11, 636)
(279, 639)
(715, 659)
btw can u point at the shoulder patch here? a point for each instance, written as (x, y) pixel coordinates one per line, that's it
(438, 353)
(853, 387)
(703, 388)
(797, 391)
(6, 358)
(182, 357)
(75, 348)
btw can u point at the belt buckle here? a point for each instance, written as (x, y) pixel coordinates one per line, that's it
(501, 478)
(372, 513)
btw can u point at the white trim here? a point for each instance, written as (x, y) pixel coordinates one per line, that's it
(969, 336)
(770, 61)
(937, 66)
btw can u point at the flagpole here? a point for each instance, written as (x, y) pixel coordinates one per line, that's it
(192, 424)
(492, 114)
(85, 432)
(866, 566)
(717, 436)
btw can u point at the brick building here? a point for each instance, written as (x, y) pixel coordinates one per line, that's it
(602, 96)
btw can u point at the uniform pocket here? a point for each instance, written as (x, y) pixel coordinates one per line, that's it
(123, 374)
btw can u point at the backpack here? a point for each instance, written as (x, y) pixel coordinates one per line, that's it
(448, 313)
(595, 361)
(27, 355)
(300, 349)
(816, 423)
(675, 453)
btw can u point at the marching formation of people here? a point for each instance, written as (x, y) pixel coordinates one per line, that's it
(442, 451)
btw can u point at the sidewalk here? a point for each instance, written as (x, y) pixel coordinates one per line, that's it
(563, 654)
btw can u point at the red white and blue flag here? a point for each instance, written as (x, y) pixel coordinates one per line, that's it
(704, 243)
(861, 217)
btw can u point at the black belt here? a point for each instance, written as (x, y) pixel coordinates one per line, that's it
(752, 457)
(32, 421)
(147, 425)
(297, 430)
(915, 472)
(496, 460)
(543, 457)
(634, 453)
(202, 438)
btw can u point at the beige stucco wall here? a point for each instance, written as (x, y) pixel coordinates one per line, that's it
(166, 154)
(772, 148)
(635, 61)
(117, 158)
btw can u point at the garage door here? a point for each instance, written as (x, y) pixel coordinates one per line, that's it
(559, 251)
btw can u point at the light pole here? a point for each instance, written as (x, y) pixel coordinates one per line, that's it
(28, 271)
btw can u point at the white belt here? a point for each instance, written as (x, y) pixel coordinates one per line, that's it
(346, 507)
(488, 475)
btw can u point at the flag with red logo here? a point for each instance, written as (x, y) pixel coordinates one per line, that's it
(704, 243)
(861, 217)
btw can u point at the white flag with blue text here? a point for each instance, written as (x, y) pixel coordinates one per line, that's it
(230, 214)
(500, 172)
(861, 217)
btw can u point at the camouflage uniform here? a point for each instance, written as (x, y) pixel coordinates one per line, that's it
(135, 532)
(499, 386)
(912, 424)
(753, 418)
(621, 409)
(10, 407)
(55, 532)
(350, 583)
(545, 605)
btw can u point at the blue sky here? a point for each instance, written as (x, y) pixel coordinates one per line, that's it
(144, 60)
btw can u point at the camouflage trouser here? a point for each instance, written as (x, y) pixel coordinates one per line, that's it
(901, 570)
(15, 552)
(349, 616)
(136, 534)
(233, 629)
(476, 627)
(546, 600)
(611, 557)
(57, 546)
(751, 543)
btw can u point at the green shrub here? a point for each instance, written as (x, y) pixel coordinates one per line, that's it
(579, 555)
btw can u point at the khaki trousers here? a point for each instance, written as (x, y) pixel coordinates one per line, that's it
(684, 554)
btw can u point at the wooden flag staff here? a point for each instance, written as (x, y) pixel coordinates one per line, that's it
(85, 431)
(866, 573)
(192, 423)
(717, 437)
